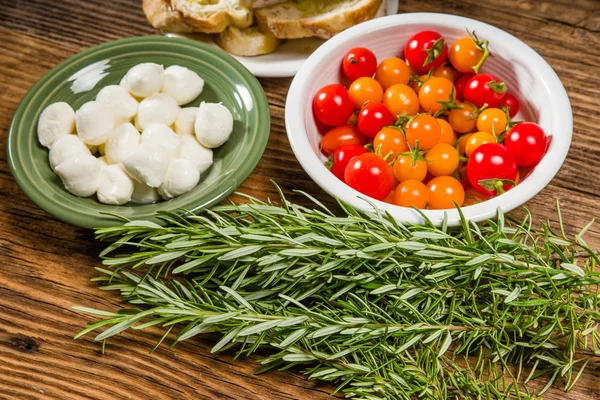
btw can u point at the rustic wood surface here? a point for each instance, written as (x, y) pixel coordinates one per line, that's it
(45, 265)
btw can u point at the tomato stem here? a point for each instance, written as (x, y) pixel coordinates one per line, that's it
(482, 45)
(498, 87)
(434, 51)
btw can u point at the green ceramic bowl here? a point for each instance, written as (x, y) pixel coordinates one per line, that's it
(226, 81)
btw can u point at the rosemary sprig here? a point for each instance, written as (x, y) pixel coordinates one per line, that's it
(388, 310)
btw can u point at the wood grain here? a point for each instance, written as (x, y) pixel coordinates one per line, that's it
(45, 265)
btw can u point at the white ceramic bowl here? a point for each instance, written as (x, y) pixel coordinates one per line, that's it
(541, 93)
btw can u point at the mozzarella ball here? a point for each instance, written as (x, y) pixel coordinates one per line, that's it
(214, 124)
(122, 105)
(144, 80)
(116, 187)
(122, 140)
(182, 84)
(184, 124)
(164, 136)
(94, 122)
(103, 161)
(181, 177)
(144, 194)
(196, 153)
(58, 119)
(158, 109)
(147, 163)
(80, 174)
(64, 147)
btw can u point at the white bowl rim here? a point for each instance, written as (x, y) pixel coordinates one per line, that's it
(297, 101)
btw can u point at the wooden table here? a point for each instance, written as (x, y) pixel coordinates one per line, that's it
(46, 265)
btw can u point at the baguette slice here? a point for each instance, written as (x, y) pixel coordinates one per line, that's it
(304, 18)
(162, 16)
(246, 41)
(213, 16)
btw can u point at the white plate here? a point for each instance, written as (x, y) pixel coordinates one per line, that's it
(283, 62)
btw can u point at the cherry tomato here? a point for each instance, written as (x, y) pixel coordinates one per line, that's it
(434, 91)
(359, 62)
(425, 129)
(442, 159)
(462, 176)
(406, 167)
(460, 84)
(364, 90)
(512, 103)
(390, 197)
(390, 140)
(464, 55)
(373, 117)
(332, 105)
(425, 50)
(342, 156)
(411, 193)
(392, 71)
(446, 72)
(477, 139)
(462, 143)
(485, 89)
(472, 196)
(416, 86)
(444, 191)
(447, 133)
(401, 99)
(462, 119)
(488, 166)
(370, 175)
(492, 120)
(527, 143)
(340, 136)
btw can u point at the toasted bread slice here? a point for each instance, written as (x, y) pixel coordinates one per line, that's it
(161, 15)
(213, 16)
(261, 3)
(246, 41)
(304, 18)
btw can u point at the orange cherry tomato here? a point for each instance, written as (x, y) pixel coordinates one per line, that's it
(462, 143)
(474, 196)
(464, 55)
(476, 140)
(414, 85)
(365, 90)
(446, 72)
(492, 120)
(340, 136)
(425, 129)
(444, 191)
(411, 193)
(390, 140)
(406, 167)
(442, 159)
(390, 198)
(435, 90)
(392, 71)
(447, 135)
(401, 99)
(461, 119)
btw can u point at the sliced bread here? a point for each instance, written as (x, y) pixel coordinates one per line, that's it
(261, 3)
(246, 41)
(213, 16)
(304, 18)
(162, 16)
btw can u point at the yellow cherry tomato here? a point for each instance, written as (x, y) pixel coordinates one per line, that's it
(464, 55)
(392, 71)
(492, 120)
(448, 135)
(461, 119)
(406, 167)
(446, 72)
(365, 90)
(444, 191)
(442, 159)
(435, 90)
(462, 143)
(390, 140)
(476, 140)
(414, 85)
(411, 193)
(401, 99)
(425, 129)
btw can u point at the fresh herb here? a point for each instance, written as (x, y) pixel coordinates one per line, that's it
(382, 309)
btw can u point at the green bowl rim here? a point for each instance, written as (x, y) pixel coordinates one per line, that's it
(261, 108)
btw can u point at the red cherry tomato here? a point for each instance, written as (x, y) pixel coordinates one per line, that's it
(342, 156)
(339, 136)
(373, 117)
(460, 84)
(369, 174)
(512, 103)
(425, 50)
(485, 89)
(332, 105)
(527, 143)
(359, 62)
(488, 166)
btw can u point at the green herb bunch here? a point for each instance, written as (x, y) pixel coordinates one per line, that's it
(382, 309)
